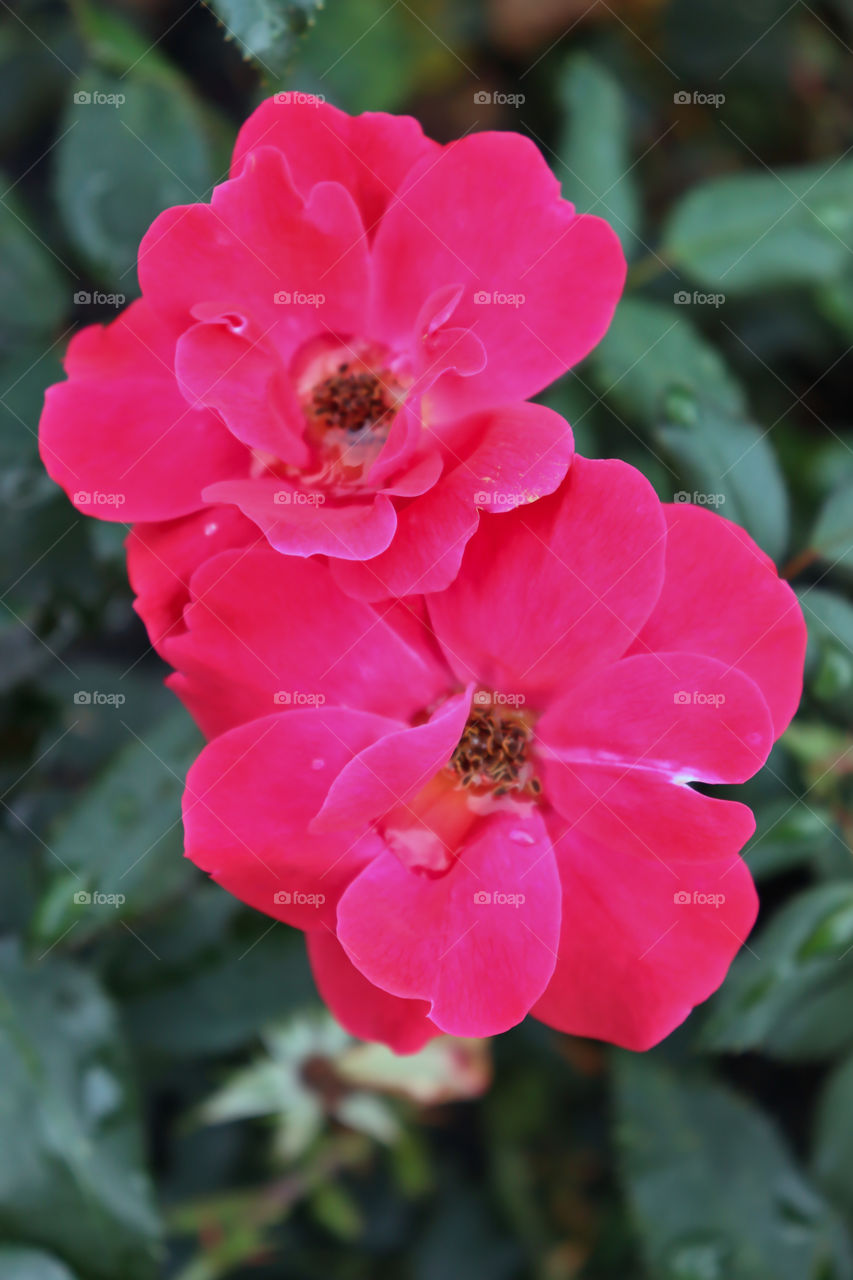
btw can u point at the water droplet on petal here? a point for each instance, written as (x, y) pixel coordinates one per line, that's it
(519, 836)
(210, 527)
(318, 764)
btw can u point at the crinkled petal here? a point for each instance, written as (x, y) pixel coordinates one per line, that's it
(481, 964)
(495, 461)
(368, 154)
(540, 283)
(552, 591)
(266, 631)
(161, 559)
(120, 438)
(300, 522)
(389, 773)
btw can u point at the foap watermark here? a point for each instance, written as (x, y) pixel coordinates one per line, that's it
(485, 499)
(298, 498)
(494, 298)
(697, 98)
(85, 98)
(298, 698)
(700, 499)
(296, 898)
(487, 898)
(698, 698)
(484, 97)
(286, 298)
(292, 97)
(83, 898)
(684, 298)
(94, 698)
(496, 698)
(684, 898)
(85, 298)
(83, 498)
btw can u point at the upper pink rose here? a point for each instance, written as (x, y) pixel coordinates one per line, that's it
(338, 346)
(481, 805)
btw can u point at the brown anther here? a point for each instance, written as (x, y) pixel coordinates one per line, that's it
(492, 754)
(351, 401)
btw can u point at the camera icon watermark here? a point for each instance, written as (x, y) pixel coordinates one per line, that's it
(94, 698)
(298, 698)
(684, 298)
(483, 97)
(85, 298)
(298, 498)
(683, 898)
(84, 98)
(482, 498)
(295, 898)
(83, 898)
(698, 698)
(695, 97)
(487, 898)
(497, 698)
(495, 298)
(285, 298)
(700, 499)
(292, 98)
(82, 498)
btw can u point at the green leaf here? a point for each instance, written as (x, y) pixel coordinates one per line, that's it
(832, 1156)
(71, 1178)
(31, 1264)
(792, 833)
(267, 31)
(835, 301)
(225, 1003)
(790, 993)
(35, 292)
(122, 841)
(762, 230)
(832, 535)
(729, 465)
(651, 350)
(135, 145)
(713, 1190)
(594, 147)
(659, 370)
(829, 658)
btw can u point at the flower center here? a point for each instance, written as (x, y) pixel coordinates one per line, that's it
(493, 754)
(351, 401)
(349, 416)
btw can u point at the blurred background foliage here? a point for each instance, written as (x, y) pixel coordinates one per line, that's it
(173, 1100)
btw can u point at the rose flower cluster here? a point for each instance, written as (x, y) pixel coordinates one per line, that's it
(457, 682)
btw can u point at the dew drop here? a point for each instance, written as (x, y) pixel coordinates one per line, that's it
(318, 764)
(519, 836)
(210, 527)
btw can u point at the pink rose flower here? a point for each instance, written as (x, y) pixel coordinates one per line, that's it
(338, 346)
(479, 805)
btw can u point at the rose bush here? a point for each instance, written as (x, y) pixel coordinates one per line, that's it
(479, 804)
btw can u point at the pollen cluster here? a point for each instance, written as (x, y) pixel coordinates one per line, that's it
(492, 754)
(351, 401)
